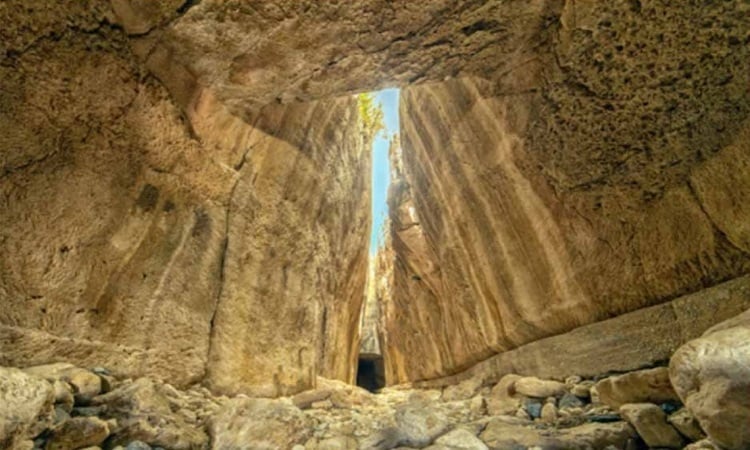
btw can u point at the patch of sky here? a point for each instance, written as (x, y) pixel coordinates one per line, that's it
(381, 173)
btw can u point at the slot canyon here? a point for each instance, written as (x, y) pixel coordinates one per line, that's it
(185, 225)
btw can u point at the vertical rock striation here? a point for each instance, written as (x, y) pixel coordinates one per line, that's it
(607, 174)
(154, 233)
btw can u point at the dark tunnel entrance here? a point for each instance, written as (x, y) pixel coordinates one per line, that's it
(371, 372)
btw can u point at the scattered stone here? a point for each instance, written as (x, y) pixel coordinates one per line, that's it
(549, 413)
(502, 433)
(335, 443)
(137, 445)
(86, 385)
(78, 432)
(144, 413)
(535, 387)
(521, 413)
(63, 395)
(26, 407)
(569, 400)
(259, 423)
(419, 424)
(572, 381)
(502, 399)
(712, 376)
(462, 391)
(89, 411)
(582, 389)
(650, 385)
(651, 424)
(704, 444)
(461, 439)
(324, 404)
(686, 424)
(533, 407)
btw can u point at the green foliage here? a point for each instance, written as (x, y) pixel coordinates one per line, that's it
(371, 114)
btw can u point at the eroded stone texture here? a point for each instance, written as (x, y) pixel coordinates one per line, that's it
(112, 218)
(295, 270)
(587, 193)
(280, 51)
(712, 376)
(127, 220)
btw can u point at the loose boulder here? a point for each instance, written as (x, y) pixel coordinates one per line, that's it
(711, 375)
(259, 424)
(650, 385)
(26, 406)
(651, 424)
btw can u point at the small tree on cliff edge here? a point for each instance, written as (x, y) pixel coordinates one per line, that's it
(371, 114)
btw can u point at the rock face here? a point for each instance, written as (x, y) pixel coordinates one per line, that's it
(712, 376)
(582, 185)
(152, 239)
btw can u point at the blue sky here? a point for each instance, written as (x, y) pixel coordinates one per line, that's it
(381, 175)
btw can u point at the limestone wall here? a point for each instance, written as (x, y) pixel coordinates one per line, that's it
(154, 239)
(610, 175)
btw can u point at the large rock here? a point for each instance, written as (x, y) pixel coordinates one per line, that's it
(650, 385)
(26, 406)
(712, 376)
(78, 432)
(419, 423)
(685, 423)
(259, 424)
(86, 384)
(651, 424)
(458, 439)
(624, 343)
(144, 412)
(502, 433)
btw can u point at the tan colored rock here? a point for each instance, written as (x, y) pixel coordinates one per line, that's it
(335, 443)
(86, 384)
(704, 444)
(505, 433)
(549, 413)
(535, 387)
(78, 432)
(259, 423)
(650, 385)
(712, 376)
(651, 424)
(26, 407)
(583, 389)
(558, 194)
(418, 424)
(136, 405)
(460, 439)
(624, 343)
(685, 423)
(503, 398)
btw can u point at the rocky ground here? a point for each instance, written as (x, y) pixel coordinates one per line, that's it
(701, 401)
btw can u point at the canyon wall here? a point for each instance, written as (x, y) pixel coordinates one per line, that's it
(609, 175)
(161, 235)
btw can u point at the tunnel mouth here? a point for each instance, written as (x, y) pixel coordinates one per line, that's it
(371, 372)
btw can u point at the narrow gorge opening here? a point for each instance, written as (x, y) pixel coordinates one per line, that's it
(379, 111)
